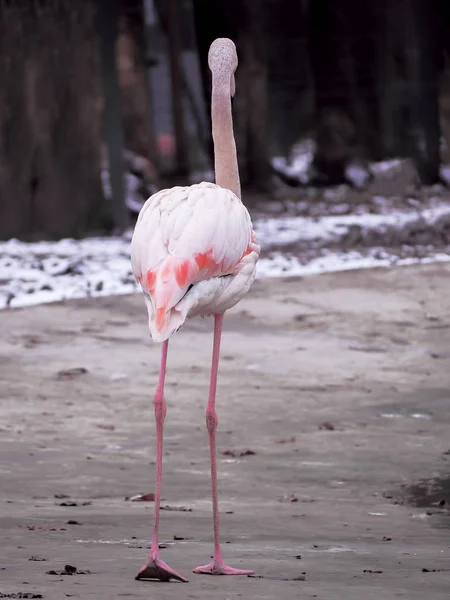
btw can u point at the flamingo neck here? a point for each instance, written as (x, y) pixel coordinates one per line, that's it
(225, 157)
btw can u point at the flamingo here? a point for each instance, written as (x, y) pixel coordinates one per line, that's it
(194, 253)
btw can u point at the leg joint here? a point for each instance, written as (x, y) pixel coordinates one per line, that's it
(211, 420)
(160, 407)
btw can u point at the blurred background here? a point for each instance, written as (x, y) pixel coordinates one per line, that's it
(102, 102)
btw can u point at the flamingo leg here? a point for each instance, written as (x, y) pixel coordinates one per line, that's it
(155, 567)
(217, 566)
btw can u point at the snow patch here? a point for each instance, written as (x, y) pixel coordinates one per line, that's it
(288, 230)
(49, 271)
(299, 164)
(279, 265)
(35, 273)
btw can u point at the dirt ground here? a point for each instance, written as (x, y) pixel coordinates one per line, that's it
(338, 384)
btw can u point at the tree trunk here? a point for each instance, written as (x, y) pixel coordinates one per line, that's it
(174, 41)
(336, 133)
(251, 84)
(134, 56)
(50, 106)
(387, 82)
(107, 21)
(290, 83)
(424, 85)
(210, 23)
(342, 42)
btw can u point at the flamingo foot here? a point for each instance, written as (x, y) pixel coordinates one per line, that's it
(157, 569)
(220, 568)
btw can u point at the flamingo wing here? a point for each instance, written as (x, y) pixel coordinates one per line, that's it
(184, 236)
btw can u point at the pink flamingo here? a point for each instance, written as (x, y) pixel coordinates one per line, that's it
(194, 254)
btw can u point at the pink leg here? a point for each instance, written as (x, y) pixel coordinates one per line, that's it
(217, 566)
(155, 568)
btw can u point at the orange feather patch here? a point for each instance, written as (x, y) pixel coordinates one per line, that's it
(150, 281)
(182, 272)
(203, 259)
(186, 272)
(160, 317)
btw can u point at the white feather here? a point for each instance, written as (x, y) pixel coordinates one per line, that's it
(182, 223)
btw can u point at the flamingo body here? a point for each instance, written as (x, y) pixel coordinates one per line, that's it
(194, 254)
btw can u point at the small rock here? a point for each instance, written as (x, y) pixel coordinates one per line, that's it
(371, 571)
(247, 453)
(327, 426)
(70, 374)
(149, 497)
(21, 595)
(229, 453)
(69, 570)
(289, 498)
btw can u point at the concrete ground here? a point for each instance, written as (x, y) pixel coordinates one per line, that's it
(339, 387)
